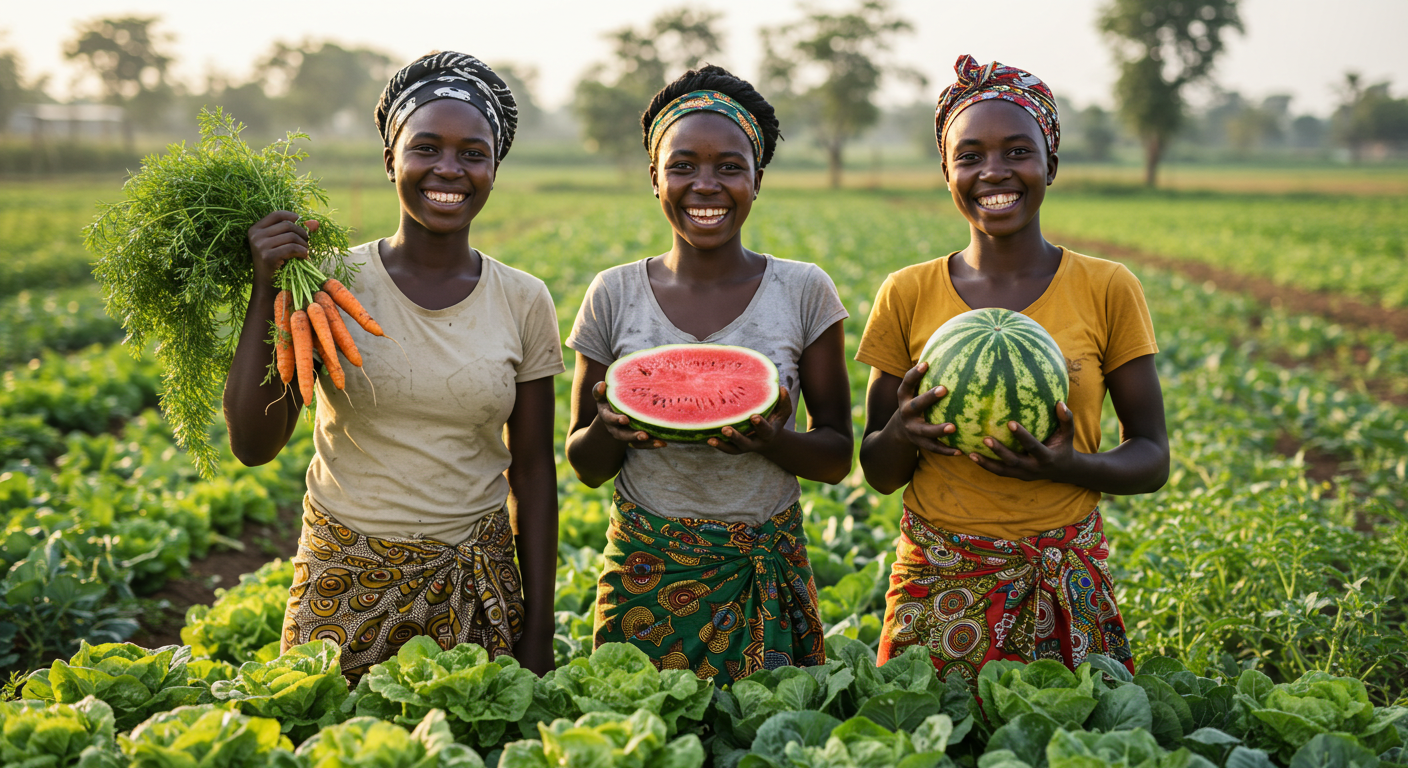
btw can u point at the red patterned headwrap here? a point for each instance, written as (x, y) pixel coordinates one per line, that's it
(995, 81)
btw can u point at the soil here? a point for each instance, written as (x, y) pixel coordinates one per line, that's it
(221, 569)
(1341, 309)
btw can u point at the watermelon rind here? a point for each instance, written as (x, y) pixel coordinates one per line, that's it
(656, 427)
(998, 366)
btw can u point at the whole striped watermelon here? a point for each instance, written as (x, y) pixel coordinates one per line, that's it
(998, 366)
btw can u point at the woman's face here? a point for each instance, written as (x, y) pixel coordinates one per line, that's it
(998, 167)
(443, 165)
(706, 178)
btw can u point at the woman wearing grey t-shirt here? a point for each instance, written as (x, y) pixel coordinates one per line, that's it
(706, 560)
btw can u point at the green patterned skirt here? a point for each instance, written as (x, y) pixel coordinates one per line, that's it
(722, 599)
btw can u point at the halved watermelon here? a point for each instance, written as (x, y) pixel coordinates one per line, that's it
(687, 393)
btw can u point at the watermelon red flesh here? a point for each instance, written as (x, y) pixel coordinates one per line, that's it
(998, 366)
(690, 392)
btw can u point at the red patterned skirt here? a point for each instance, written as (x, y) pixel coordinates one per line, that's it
(971, 599)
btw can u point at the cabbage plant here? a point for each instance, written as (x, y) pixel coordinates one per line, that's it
(135, 681)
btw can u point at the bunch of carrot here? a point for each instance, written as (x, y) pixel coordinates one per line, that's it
(307, 318)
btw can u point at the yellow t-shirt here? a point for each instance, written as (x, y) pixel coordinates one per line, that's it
(1096, 312)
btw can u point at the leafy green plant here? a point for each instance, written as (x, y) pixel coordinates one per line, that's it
(816, 740)
(618, 678)
(303, 689)
(367, 742)
(600, 738)
(58, 735)
(136, 681)
(1293, 714)
(174, 265)
(481, 697)
(243, 619)
(210, 736)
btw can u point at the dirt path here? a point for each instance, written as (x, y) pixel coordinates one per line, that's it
(1341, 309)
(221, 569)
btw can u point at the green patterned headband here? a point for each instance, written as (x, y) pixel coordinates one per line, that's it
(706, 101)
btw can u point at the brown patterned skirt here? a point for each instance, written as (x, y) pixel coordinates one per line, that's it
(370, 595)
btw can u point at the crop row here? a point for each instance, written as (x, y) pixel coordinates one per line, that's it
(118, 704)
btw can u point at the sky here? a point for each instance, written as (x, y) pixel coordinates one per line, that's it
(1300, 47)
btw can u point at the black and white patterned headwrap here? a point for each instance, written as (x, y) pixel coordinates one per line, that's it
(448, 75)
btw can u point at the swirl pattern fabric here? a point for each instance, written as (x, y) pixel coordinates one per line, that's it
(721, 599)
(706, 101)
(972, 599)
(371, 595)
(977, 82)
(448, 75)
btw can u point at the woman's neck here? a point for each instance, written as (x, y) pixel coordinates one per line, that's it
(415, 247)
(728, 263)
(1020, 253)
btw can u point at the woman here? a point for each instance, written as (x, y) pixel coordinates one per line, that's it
(409, 521)
(1005, 559)
(706, 559)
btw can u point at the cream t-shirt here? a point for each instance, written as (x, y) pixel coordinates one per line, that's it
(425, 457)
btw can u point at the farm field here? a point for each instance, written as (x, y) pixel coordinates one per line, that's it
(1279, 547)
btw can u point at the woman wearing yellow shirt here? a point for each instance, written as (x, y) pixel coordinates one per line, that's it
(1005, 559)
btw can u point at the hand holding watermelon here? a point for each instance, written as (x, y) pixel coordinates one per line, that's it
(618, 425)
(765, 429)
(912, 412)
(1051, 460)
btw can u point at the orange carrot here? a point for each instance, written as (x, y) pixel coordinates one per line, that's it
(303, 353)
(351, 306)
(283, 342)
(340, 334)
(319, 320)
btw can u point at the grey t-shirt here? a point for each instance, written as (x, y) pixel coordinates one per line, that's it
(795, 302)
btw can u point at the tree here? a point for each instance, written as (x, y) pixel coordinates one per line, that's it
(1163, 46)
(609, 105)
(128, 57)
(1368, 115)
(842, 55)
(322, 84)
(12, 90)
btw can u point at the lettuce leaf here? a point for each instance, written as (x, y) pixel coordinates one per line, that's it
(367, 742)
(58, 735)
(481, 697)
(605, 739)
(210, 736)
(135, 681)
(302, 689)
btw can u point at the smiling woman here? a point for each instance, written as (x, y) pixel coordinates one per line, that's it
(1005, 558)
(707, 563)
(414, 495)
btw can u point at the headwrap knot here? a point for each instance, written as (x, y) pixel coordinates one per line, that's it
(705, 101)
(448, 75)
(977, 83)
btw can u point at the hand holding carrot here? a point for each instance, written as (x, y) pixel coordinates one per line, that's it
(275, 239)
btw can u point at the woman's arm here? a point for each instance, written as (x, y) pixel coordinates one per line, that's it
(824, 451)
(599, 436)
(1139, 464)
(532, 500)
(895, 429)
(260, 417)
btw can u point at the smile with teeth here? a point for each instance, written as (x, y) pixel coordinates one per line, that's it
(998, 202)
(706, 215)
(449, 198)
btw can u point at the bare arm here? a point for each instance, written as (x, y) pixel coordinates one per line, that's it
(1139, 464)
(261, 417)
(824, 452)
(895, 429)
(598, 437)
(532, 500)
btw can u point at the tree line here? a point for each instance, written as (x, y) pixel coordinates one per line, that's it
(823, 71)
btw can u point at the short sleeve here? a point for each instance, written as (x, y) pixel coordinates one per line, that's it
(885, 342)
(542, 349)
(591, 331)
(821, 305)
(1131, 331)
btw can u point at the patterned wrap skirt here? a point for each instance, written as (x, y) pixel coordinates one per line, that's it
(972, 599)
(370, 595)
(722, 599)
